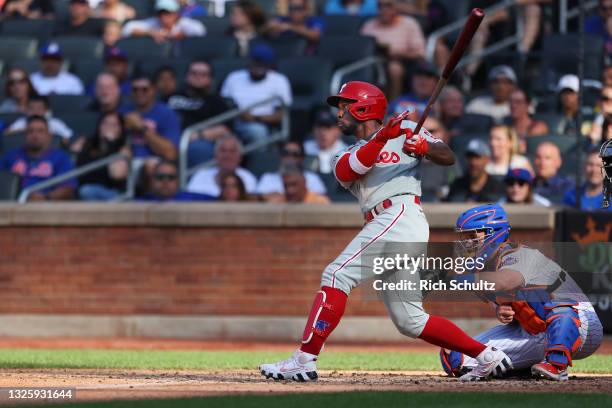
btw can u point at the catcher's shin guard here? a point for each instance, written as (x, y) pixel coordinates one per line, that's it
(327, 310)
(452, 363)
(562, 333)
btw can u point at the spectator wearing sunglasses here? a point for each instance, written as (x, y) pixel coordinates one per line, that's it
(299, 23)
(271, 184)
(17, 90)
(602, 124)
(164, 185)
(519, 189)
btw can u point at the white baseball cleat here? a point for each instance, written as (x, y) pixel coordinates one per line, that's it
(299, 367)
(491, 362)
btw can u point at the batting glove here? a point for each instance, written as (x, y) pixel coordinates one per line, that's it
(415, 144)
(392, 129)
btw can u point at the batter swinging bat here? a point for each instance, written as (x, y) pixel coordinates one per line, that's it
(471, 25)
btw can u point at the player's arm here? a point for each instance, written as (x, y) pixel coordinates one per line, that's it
(355, 164)
(426, 145)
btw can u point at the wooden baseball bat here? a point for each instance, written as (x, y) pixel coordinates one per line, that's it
(470, 27)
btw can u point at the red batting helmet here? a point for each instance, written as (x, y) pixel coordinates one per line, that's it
(367, 102)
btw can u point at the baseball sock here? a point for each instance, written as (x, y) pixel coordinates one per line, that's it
(444, 333)
(329, 312)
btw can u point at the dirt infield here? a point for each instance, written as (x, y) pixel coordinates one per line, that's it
(148, 384)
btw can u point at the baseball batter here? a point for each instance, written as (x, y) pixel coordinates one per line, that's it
(386, 182)
(547, 320)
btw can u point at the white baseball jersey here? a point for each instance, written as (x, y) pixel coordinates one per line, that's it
(394, 173)
(526, 349)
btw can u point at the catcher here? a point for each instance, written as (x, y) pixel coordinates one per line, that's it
(547, 320)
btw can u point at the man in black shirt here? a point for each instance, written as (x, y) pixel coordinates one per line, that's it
(196, 104)
(80, 21)
(476, 185)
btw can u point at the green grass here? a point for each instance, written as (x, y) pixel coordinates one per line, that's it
(374, 399)
(163, 359)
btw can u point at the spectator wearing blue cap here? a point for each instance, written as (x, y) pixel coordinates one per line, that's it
(166, 26)
(116, 63)
(80, 21)
(519, 189)
(51, 79)
(476, 185)
(259, 82)
(299, 22)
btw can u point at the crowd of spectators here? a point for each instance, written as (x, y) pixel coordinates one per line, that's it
(515, 142)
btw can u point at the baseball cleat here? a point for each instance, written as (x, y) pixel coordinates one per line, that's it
(492, 362)
(300, 367)
(549, 371)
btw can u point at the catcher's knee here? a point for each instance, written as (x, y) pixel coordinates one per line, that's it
(411, 324)
(452, 362)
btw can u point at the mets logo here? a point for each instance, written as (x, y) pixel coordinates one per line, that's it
(386, 157)
(321, 325)
(509, 260)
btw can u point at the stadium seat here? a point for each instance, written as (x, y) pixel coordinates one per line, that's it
(87, 69)
(12, 48)
(285, 47)
(68, 103)
(82, 123)
(565, 143)
(263, 162)
(475, 123)
(309, 77)
(215, 26)
(339, 25)
(40, 29)
(560, 56)
(223, 66)
(342, 50)
(455, 9)
(552, 120)
(150, 66)
(8, 118)
(207, 48)
(28, 64)
(144, 8)
(142, 48)
(268, 6)
(75, 48)
(9, 186)
(335, 191)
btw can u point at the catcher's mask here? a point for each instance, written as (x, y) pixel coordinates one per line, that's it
(605, 152)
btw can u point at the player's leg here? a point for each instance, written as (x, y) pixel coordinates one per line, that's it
(522, 348)
(570, 333)
(339, 278)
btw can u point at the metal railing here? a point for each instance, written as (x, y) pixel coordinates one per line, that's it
(565, 14)
(338, 74)
(282, 134)
(87, 168)
(459, 24)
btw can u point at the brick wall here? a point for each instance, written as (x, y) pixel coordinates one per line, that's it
(125, 270)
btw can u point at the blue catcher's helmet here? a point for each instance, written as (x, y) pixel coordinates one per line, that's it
(490, 218)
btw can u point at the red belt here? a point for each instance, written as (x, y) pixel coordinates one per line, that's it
(382, 206)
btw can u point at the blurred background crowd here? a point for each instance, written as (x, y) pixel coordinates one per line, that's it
(205, 101)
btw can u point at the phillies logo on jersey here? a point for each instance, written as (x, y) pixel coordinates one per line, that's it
(388, 157)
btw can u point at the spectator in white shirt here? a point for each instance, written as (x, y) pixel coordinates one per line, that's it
(258, 83)
(168, 25)
(51, 79)
(228, 154)
(326, 143)
(272, 183)
(39, 106)
(502, 82)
